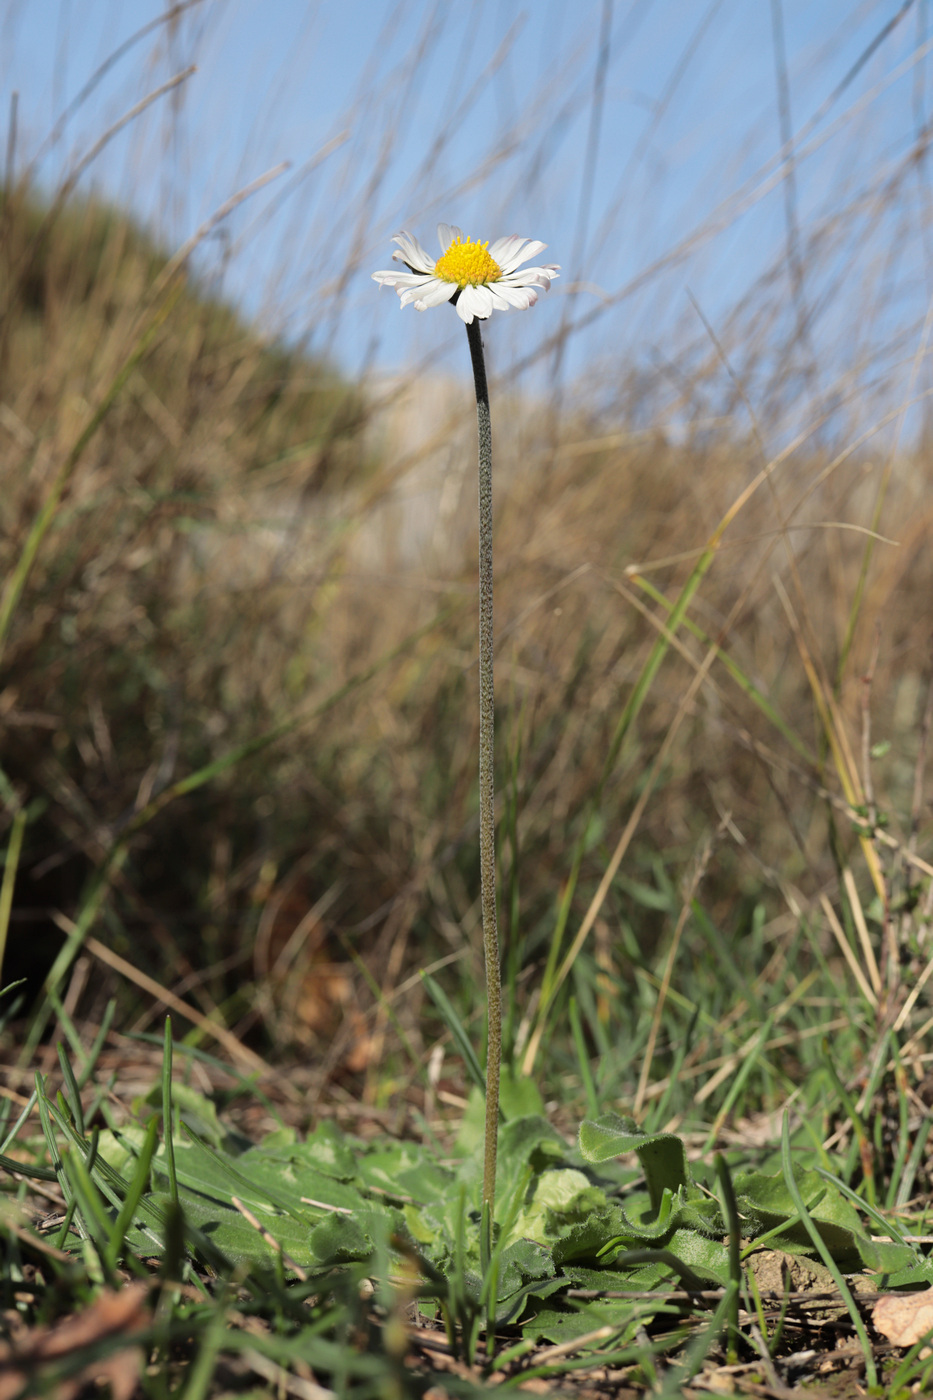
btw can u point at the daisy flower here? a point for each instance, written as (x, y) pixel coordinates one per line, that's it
(480, 279)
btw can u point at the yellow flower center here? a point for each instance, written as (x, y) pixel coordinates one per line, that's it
(468, 264)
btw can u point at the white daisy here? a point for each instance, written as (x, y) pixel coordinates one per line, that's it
(483, 279)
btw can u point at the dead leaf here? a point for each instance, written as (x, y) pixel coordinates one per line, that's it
(112, 1314)
(904, 1318)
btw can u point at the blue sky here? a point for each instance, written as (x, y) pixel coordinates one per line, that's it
(640, 139)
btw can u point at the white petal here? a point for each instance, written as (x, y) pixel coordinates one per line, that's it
(447, 234)
(435, 294)
(412, 253)
(464, 307)
(531, 277)
(519, 297)
(502, 247)
(530, 250)
(517, 251)
(401, 279)
(417, 288)
(474, 301)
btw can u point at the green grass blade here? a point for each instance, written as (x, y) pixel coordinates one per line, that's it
(731, 1213)
(658, 1114)
(45, 1120)
(246, 1083)
(859, 1147)
(210, 1343)
(109, 1182)
(700, 1346)
(28, 1169)
(735, 671)
(137, 1185)
(14, 1131)
(90, 1203)
(100, 1040)
(168, 1117)
(115, 1187)
(583, 1060)
(455, 1025)
(72, 946)
(658, 652)
(883, 1223)
(738, 1084)
(906, 1184)
(72, 1092)
(14, 847)
(787, 1166)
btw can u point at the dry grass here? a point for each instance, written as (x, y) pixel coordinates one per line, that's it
(238, 637)
(247, 540)
(246, 533)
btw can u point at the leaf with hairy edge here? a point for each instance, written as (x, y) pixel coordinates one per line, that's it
(333, 1240)
(526, 1270)
(764, 1202)
(662, 1155)
(559, 1198)
(404, 1169)
(327, 1150)
(563, 1327)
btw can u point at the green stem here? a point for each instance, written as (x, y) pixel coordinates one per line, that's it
(487, 820)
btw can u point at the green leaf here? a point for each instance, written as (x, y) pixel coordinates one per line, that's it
(600, 1280)
(709, 1259)
(402, 1170)
(765, 1201)
(662, 1155)
(587, 1238)
(326, 1149)
(526, 1270)
(519, 1097)
(338, 1240)
(282, 1140)
(530, 1141)
(243, 1245)
(532, 1260)
(195, 1110)
(559, 1199)
(296, 1176)
(563, 1326)
(224, 1175)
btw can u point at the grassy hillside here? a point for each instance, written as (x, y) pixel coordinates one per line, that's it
(238, 707)
(238, 779)
(244, 539)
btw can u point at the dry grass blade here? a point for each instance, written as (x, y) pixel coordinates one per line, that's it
(858, 915)
(839, 934)
(238, 1052)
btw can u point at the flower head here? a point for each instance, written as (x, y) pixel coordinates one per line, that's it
(482, 278)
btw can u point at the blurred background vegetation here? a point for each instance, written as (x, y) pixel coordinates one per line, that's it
(242, 541)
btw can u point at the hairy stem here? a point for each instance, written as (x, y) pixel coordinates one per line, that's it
(487, 821)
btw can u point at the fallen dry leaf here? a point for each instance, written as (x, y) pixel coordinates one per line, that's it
(111, 1314)
(904, 1318)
